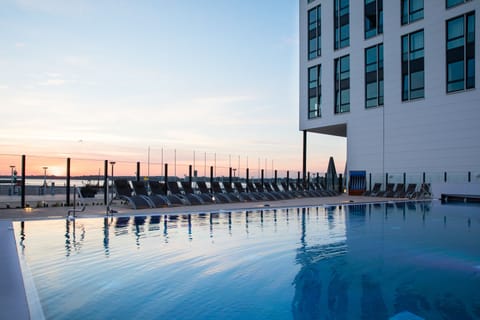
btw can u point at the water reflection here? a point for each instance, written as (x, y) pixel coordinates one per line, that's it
(22, 236)
(139, 222)
(71, 241)
(319, 288)
(362, 261)
(106, 235)
(353, 278)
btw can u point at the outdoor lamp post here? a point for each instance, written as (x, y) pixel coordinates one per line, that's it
(12, 167)
(44, 179)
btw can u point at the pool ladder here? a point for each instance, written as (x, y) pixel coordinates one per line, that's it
(71, 213)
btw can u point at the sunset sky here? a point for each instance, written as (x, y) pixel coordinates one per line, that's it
(113, 79)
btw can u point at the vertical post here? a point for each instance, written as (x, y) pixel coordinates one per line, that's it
(304, 167)
(211, 179)
(248, 173)
(67, 200)
(404, 179)
(190, 175)
(298, 177)
(340, 183)
(423, 180)
(318, 177)
(230, 175)
(276, 177)
(288, 180)
(469, 176)
(112, 164)
(445, 176)
(166, 178)
(262, 174)
(370, 182)
(105, 182)
(386, 180)
(138, 171)
(22, 184)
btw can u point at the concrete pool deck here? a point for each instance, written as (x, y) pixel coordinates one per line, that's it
(13, 301)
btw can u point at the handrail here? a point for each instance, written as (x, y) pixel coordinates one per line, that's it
(71, 213)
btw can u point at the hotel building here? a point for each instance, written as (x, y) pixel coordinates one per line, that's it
(398, 79)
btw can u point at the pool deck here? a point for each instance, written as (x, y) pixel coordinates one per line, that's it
(13, 301)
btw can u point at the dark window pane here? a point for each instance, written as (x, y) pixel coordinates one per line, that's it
(413, 66)
(471, 73)
(341, 24)
(461, 52)
(404, 11)
(451, 3)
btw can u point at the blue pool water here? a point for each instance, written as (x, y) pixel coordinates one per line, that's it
(370, 261)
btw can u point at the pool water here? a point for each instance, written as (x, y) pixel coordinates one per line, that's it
(370, 261)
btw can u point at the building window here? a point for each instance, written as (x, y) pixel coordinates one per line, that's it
(314, 92)
(342, 84)
(413, 77)
(373, 18)
(461, 53)
(314, 33)
(412, 10)
(374, 76)
(453, 3)
(342, 23)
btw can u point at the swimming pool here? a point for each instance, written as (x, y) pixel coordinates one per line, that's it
(369, 261)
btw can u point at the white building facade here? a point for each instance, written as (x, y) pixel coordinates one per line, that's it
(398, 79)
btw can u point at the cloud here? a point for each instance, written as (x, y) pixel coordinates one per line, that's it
(52, 82)
(221, 100)
(20, 44)
(58, 7)
(53, 75)
(77, 61)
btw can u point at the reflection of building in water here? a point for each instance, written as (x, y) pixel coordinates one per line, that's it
(385, 265)
(319, 289)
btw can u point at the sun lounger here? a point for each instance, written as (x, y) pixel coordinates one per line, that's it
(202, 187)
(125, 192)
(205, 192)
(388, 189)
(159, 188)
(318, 191)
(286, 193)
(186, 198)
(190, 193)
(265, 193)
(205, 198)
(331, 193)
(279, 195)
(287, 188)
(375, 190)
(254, 192)
(296, 188)
(400, 191)
(231, 192)
(239, 187)
(424, 192)
(410, 192)
(157, 200)
(397, 192)
(218, 190)
(306, 190)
